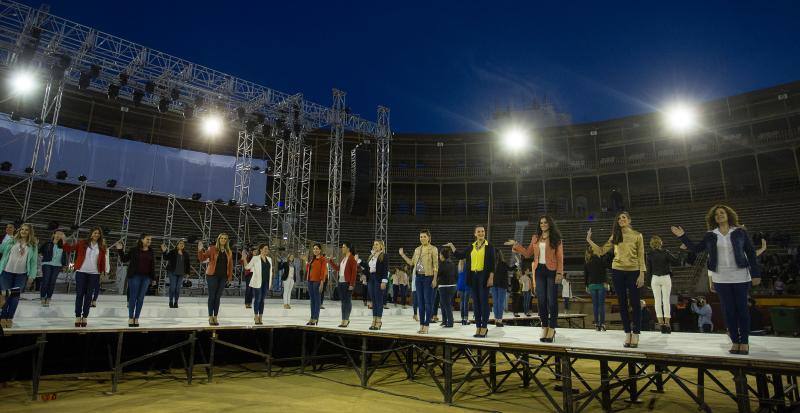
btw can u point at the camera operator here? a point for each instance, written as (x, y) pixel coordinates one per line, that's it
(703, 310)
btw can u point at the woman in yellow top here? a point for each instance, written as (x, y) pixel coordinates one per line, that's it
(627, 272)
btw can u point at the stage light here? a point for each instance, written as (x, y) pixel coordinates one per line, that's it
(138, 95)
(199, 101)
(232, 202)
(212, 125)
(515, 138)
(84, 80)
(240, 113)
(111, 183)
(94, 71)
(260, 118)
(149, 87)
(29, 170)
(113, 91)
(681, 118)
(22, 82)
(123, 79)
(175, 93)
(196, 196)
(60, 67)
(250, 126)
(61, 175)
(163, 104)
(82, 178)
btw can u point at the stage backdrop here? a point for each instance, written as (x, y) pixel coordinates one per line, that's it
(133, 164)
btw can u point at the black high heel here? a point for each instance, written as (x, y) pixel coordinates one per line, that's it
(551, 338)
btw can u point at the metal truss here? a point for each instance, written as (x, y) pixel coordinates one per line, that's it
(243, 168)
(275, 211)
(303, 200)
(167, 239)
(142, 65)
(333, 226)
(384, 138)
(126, 217)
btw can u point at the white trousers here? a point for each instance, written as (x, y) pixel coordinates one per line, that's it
(662, 286)
(288, 286)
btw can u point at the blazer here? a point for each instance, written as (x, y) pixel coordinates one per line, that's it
(350, 270)
(32, 258)
(659, 262)
(466, 255)
(132, 258)
(258, 278)
(46, 250)
(317, 269)
(172, 259)
(80, 248)
(743, 251)
(211, 254)
(553, 256)
(382, 268)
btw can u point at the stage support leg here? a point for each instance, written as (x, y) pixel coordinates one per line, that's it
(38, 360)
(762, 389)
(447, 367)
(271, 348)
(566, 385)
(190, 369)
(526, 373)
(410, 363)
(633, 388)
(742, 398)
(777, 385)
(117, 363)
(210, 368)
(303, 353)
(605, 394)
(493, 370)
(659, 378)
(364, 355)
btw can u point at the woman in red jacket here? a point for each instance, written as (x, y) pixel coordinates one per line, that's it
(347, 270)
(317, 270)
(218, 273)
(91, 261)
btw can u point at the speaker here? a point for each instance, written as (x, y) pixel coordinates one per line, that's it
(360, 187)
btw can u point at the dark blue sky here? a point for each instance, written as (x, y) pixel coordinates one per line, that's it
(444, 67)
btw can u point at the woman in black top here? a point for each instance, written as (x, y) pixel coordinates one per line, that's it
(178, 266)
(141, 273)
(500, 287)
(658, 268)
(446, 280)
(516, 291)
(596, 280)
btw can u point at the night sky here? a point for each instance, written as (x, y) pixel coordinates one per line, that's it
(446, 67)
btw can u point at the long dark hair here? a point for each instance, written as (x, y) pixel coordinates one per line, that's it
(616, 231)
(312, 257)
(555, 234)
(139, 244)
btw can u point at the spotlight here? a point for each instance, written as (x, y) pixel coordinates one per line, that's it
(61, 175)
(60, 67)
(163, 104)
(22, 82)
(138, 95)
(196, 196)
(240, 113)
(188, 112)
(260, 118)
(250, 126)
(175, 93)
(149, 87)
(111, 183)
(232, 202)
(94, 71)
(123, 79)
(212, 125)
(681, 118)
(113, 91)
(515, 138)
(84, 80)
(82, 178)
(29, 170)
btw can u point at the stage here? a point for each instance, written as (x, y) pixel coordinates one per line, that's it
(766, 376)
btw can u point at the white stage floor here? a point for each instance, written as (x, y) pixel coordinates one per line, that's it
(111, 315)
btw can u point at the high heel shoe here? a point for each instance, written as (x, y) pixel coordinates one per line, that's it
(634, 341)
(344, 324)
(136, 322)
(211, 320)
(130, 322)
(734, 349)
(545, 333)
(83, 322)
(377, 325)
(744, 349)
(627, 340)
(551, 338)
(424, 330)
(77, 322)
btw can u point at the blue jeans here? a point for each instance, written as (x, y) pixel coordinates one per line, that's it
(315, 297)
(175, 284)
(599, 305)
(464, 295)
(376, 295)
(425, 295)
(259, 294)
(96, 288)
(401, 296)
(347, 300)
(733, 297)
(628, 294)
(499, 299)
(446, 295)
(414, 300)
(480, 297)
(8, 281)
(216, 285)
(526, 302)
(49, 276)
(84, 290)
(137, 288)
(546, 291)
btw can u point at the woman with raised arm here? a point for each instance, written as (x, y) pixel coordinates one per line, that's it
(425, 262)
(218, 272)
(178, 266)
(317, 270)
(17, 268)
(627, 272)
(547, 250)
(732, 268)
(347, 270)
(53, 261)
(659, 263)
(261, 269)
(141, 274)
(91, 260)
(479, 264)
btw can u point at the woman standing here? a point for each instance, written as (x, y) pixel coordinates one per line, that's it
(317, 270)
(463, 293)
(525, 285)
(261, 269)
(91, 260)
(288, 283)
(479, 263)
(53, 261)
(141, 273)
(659, 261)
(446, 281)
(400, 281)
(378, 278)
(347, 270)
(218, 272)
(515, 289)
(425, 262)
(500, 287)
(627, 272)
(178, 266)
(17, 268)
(732, 268)
(596, 280)
(547, 250)
(245, 259)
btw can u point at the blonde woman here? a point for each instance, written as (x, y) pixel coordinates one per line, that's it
(659, 262)
(17, 268)
(378, 278)
(425, 264)
(218, 273)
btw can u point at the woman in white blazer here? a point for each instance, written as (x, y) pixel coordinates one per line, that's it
(260, 282)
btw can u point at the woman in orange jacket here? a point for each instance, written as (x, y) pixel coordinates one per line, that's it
(218, 273)
(317, 270)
